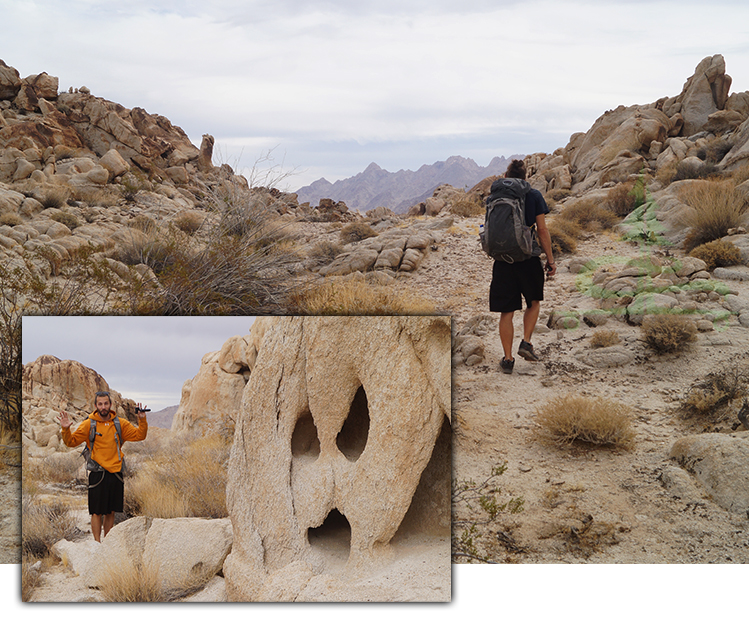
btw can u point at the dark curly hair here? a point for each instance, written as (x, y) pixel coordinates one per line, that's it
(516, 169)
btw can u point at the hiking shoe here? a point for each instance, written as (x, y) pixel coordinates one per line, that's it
(526, 352)
(507, 365)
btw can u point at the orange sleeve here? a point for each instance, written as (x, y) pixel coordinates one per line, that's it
(73, 439)
(134, 433)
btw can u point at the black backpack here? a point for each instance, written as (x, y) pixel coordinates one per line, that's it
(506, 235)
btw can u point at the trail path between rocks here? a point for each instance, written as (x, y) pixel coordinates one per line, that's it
(634, 518)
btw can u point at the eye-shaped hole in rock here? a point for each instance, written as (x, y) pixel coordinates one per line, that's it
(332, 538)
(352, 439)
(304, 439)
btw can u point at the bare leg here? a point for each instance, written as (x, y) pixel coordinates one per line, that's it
(96, 526)
(506, 333)
(108, 523)
(530, 318)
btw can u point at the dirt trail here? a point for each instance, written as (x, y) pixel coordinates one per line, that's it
(634, 518)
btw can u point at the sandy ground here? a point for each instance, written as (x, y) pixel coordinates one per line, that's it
(580, 505)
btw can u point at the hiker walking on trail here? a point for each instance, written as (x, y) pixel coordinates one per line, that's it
(104, 434)
(517, 275)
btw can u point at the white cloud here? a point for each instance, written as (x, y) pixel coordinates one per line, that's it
(301, 75)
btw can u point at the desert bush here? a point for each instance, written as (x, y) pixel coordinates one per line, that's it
(10, 219)
(604, 338)
(470, 205)
(324, 252)
(597, 421)
(564, 234)
(43, 525)
(714, 208)
(690, 170)
(715, 151)
(668, 333)
(67, 219)
(138, 585)
(476, 507)
(710, 397)
(626, 197)
(356, 231)
(144, 223)
(55, 198)
(186, 479)
(717, 253)
(590, 214)
(357, 298)
(189, 221)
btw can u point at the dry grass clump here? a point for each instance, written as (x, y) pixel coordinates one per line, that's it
(710, 398)
(668, 333)
(689, 170)
(715, 151)
(470, 205)
(187, 478)
(10, 219)
(324, 252)
(144, 223)
(138, 585)
(189, 222)
(604, 338)
(625, 198)
(590, 214)
(55, 198)
(44, 525)
(714, 208)
(564, 234)
(357, 298)
(596, 421)
(356, 231)
(67, 219)
(717, 253)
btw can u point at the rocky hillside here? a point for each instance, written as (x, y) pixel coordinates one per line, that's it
(400, 190)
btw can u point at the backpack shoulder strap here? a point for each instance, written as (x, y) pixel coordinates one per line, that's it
(118, 427)
(92, 433)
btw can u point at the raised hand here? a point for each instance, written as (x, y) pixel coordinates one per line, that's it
(64, 419)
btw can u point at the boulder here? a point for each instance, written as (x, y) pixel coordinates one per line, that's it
(720, 463)
(705, 93)
(10, 82)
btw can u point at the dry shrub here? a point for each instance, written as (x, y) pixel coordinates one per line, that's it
(356, 231)
(186, 479)
(55, 198)
(715, 151)
(604, 338)
(470, 205)
(144, 223)
(689, 170)
(714, 208)
(718, 253)
(668, 333)
(590, 215)
(10, 219)
(625, 198)
(189, 221)
(44, 525)
(357, 298)
(564, 234)
(67, 219)
(324, 252)
(710, 398)
(596, 421)
(138, 585)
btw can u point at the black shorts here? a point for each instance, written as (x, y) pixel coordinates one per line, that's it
(510, 281)
(106, 492)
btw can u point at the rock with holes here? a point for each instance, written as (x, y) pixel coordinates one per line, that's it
(342, 441)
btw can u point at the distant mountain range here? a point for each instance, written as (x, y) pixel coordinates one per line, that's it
(400, 190)
(162, 418)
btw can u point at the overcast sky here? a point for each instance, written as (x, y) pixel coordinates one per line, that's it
(146, 359)
(331, 86)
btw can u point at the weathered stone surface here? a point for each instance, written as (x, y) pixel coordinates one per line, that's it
(720, 463)
(341, 413)
(649, 303)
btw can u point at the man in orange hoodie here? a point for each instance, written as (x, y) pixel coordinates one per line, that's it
(106, 488)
